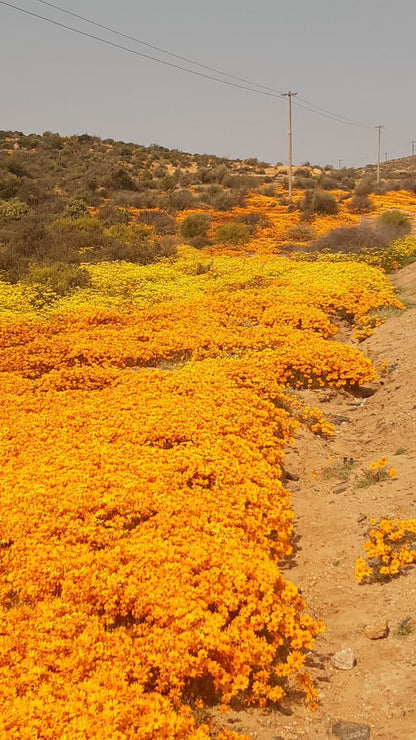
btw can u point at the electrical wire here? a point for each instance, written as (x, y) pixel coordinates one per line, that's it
(138, 53)
(319, 109)
(248, 85)
(254, 86)
(158, 48)
(308, 105)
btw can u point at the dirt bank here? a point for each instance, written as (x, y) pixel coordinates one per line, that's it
(332, 518)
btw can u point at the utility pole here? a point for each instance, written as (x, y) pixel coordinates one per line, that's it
(386, 154)
(379, 127)
(413, 142)
(289, 95)
(339, 163)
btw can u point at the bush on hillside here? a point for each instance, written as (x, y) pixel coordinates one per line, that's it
(121, 180)
(254, 219)
(195, 225)
(321, 202)
(60, 278)
(394, 217)
(110, 215)
(359, 203)
(13, 210)
(300, 233)
(349, 239)
(224, 201)
(199, 242)
(76, 208)
(269, 190)
(162, 223)
(180, 200)
(232, 234)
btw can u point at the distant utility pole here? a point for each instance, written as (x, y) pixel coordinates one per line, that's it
(289, 95)
(339, 163)
(386, 156)
(413, 142)
(379, 127)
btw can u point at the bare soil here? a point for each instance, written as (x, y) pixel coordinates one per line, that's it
(332, 519)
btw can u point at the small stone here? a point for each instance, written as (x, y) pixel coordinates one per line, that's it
(341, 420)
(344, 660)
(351, 731)
(365, 391)
(291, 476)
(376, 630)
(361, 518)
(340, 489)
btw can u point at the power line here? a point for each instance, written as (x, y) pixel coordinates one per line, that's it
(138, 53)
(158, 48)
(248, 85)
(342, 119)
(262, 89)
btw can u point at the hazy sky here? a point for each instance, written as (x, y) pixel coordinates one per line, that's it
(355, 58)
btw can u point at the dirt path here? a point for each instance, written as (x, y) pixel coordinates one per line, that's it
(332, 517)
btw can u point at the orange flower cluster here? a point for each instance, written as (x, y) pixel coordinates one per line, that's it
(389, 549)
(139, 566)
(143, 518)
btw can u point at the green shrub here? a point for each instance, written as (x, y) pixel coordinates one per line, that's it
(162, 223)
(84, 224)
(359, 203)
(132, 234)
(196, 224)
(254, 219)
(224, 201)
(60, 278)
(121, 180)
(110, 215)
(76, 208)
(395, 217)
(199, 242)
(13, 210)
(320, 201)
(300, 233)
(349, 239)
(180, 200)
(232, 234)
(268, 190)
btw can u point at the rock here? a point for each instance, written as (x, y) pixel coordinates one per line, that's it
(344, 660)
(341, 420)
(361, 518)
(351, 731)
(291, 476)
(340, 489)
(367, 390)
(376, 630)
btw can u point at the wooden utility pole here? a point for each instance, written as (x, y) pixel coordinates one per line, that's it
(379, 127)
(289, 95)
(413, 142)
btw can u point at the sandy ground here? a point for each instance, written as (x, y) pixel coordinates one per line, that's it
(332, 518)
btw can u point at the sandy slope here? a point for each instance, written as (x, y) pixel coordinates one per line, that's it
(331, 524)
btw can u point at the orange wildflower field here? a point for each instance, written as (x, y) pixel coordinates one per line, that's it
(143, 518)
